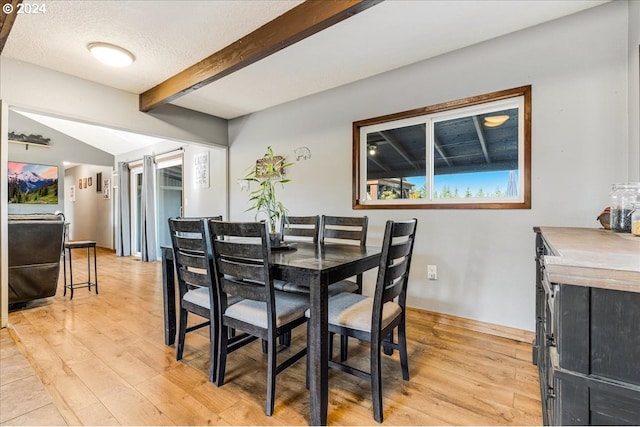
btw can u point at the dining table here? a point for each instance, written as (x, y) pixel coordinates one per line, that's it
(317, 266)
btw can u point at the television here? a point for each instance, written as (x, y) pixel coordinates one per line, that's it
(32, 183)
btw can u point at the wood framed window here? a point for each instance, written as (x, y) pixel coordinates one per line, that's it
(472, 153)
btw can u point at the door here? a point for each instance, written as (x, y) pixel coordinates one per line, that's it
(168, 196)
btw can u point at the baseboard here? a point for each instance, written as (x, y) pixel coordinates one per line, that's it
(476, 325)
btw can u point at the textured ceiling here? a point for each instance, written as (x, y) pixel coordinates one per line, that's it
(168, 36)
(165, 36)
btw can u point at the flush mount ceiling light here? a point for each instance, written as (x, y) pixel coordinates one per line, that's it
(372, 149)
(494, 121)
(111, 55)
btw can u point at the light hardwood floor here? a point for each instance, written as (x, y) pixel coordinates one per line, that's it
(103, 361)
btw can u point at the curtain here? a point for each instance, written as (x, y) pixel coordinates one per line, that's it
(123, 231)
(148, 210)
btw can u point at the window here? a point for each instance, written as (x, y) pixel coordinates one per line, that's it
(470, 153)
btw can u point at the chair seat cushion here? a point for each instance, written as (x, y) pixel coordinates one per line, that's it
(354, 311)
(198, 296)
(301, 288)
(279, 285)
(289, 307)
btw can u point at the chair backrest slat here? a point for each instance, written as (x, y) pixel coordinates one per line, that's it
(242, 250)
(400, 250)
(243, 289)
(394, 287)
(191, 259)
(302, 228)
(344, 228)
(190, 243)
(242, 269)
(195, 278)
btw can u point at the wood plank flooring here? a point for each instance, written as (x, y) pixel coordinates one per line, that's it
(101, 360)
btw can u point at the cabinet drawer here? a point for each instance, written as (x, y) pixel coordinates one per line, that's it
(615, 335)
(612, 405)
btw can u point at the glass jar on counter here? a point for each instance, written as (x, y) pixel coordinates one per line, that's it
(623, 200)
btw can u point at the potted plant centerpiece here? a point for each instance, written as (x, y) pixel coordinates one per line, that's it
(269, 172)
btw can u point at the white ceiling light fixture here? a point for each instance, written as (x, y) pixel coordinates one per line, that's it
(494, 121)
(111, 55)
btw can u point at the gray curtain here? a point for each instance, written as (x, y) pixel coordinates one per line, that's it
(123, 232)
(148, 210)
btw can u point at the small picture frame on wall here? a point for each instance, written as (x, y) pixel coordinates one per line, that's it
(106, 189)
(84, 182)
(89, 181)
(80, 184)
(99, 182)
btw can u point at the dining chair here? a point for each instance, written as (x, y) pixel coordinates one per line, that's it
(307, 229)
(242, 263)
(345, 229)
(194, 270)
(373, 319)
(351, 230)
(301, 228)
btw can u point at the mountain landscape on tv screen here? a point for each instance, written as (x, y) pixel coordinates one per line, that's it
(28, 186)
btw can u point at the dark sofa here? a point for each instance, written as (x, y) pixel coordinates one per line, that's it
(35, 246)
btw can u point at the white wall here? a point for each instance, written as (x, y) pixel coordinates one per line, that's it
(35, 88)
(577, 67)
(198, 201)
(211, 201)
(634, 90)
(90, 216)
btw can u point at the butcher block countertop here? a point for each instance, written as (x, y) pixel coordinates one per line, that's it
(592, 257)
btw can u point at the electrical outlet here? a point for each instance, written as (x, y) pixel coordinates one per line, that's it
(432, 272)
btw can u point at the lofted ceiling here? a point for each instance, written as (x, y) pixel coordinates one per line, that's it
(167, 37)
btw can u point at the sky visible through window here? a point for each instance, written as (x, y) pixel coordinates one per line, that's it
(489, 182)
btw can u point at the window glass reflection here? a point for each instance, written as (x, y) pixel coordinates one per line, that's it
(396, 163)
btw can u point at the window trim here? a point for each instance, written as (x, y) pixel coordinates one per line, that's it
(524, 158)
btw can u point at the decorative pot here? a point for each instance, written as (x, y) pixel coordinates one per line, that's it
(275, 239)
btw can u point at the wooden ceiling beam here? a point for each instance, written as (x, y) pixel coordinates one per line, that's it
(7, 20)
(302, 21)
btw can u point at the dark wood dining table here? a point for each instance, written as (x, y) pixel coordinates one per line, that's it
(317, 265)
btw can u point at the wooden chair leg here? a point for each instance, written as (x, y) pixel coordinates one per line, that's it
(331, 334)
(402, 342)
(271, 374)
(388, 350)
(222, 357)
(285, 339)
(182, 328)
(376, 381)
(344, 347)
(306, 359)
(214, 336)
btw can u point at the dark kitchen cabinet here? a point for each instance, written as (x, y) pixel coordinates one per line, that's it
(587, 341)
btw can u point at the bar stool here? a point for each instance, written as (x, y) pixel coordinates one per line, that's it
(68, 248)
